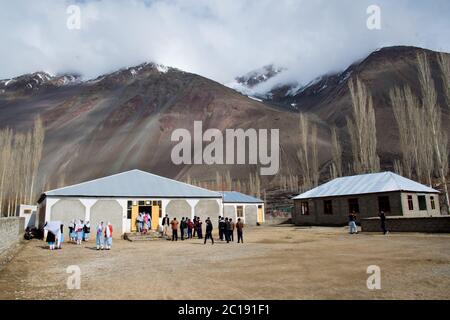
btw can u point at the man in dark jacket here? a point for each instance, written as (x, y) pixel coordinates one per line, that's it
(222, 228)
(231, 231)
(182, 226)
(166, 224)
(239, 228)
(228, 229)
(209, 229)
(383, 222)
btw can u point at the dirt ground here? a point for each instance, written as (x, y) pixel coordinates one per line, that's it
(276, 262)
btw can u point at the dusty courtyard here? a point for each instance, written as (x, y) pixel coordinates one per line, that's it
(276, 262)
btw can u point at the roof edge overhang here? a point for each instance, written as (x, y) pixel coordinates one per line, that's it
(365, 194)
(237, 202)
(131, 197)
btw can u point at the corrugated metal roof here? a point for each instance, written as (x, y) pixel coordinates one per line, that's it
(237, 197)
(134, 183)
(364, 184)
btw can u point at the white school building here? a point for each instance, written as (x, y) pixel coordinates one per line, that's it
(120, 197)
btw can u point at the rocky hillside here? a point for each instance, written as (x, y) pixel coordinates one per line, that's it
(124, 120)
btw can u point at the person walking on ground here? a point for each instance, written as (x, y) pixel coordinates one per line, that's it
(166, 224)
(190, 227)
(108, 236)
(99, 236)
(174, 224)
(87, 231)
(352, 223)
(209, 229)
(199, 229)
(240, 231)
(231, 231)
(383, 222)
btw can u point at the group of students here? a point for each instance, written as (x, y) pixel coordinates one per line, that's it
(143, 222)
(104, 235)
(190, 228)
(78, 232)
(353, 228)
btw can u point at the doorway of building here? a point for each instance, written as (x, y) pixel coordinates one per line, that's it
(146, 209)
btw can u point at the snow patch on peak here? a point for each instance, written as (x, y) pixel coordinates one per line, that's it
(162, 68)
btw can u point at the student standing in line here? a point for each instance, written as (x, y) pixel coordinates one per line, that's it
(79, 230)
(194, 232)
(209, 229)
(383, 222)
(199, 229)
(227, 230)
(231, 231)
(108, 236)
(222, 229)
(99, 236)
(174, 224)
(60, 237)
(219, 227)
(190, 227)
(72, 234)
(87, 231)
(166, 224)
(240, 231)
(182, 229)
(186, 228)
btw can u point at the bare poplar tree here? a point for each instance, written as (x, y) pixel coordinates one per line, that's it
(36, 155)
(362, 129)
(6, 138)
(336, 154)
(433, 121)
(308, 153)
(444, 63)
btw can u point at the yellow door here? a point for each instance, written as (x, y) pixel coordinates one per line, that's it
(260, 215)
(134, 214)
(155, 217)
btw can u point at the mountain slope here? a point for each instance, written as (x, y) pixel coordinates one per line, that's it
(124, 120)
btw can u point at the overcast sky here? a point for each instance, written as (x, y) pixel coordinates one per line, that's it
(219, 39)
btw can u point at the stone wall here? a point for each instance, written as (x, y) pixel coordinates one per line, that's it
(11, 232)
(409, 224)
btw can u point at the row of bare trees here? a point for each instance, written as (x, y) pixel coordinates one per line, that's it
(423, 140)
(224, 182)
(20, 155)
(308, 153)
(361, 127)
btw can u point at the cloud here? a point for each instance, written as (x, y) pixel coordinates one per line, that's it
(219, 39)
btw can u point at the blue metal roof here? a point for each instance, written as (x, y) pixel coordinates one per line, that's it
(134, 183)
(237, 197)
(365, 184)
